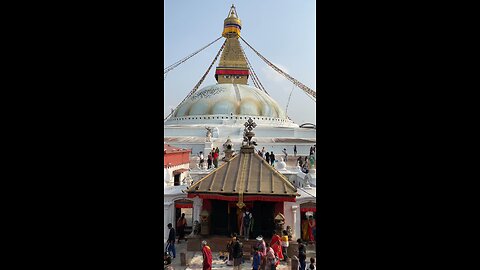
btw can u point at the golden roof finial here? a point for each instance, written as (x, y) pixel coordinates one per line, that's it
(233, 12)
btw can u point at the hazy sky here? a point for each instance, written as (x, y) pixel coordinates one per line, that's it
(283, 31)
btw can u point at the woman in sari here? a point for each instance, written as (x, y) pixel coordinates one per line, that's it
(311, 226)
(305, 230)
(276, 244)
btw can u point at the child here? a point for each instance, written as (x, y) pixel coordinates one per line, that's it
(285, 244)
(312, 264)
(257, 259)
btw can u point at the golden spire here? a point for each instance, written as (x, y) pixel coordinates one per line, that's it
(233, 67)
(232, 24)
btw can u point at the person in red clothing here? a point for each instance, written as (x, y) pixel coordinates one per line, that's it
(276, 244)
(215, 159)
(207, 256)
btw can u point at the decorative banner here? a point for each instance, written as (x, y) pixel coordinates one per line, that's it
(183, 205)
(231, 72)
(308, 209)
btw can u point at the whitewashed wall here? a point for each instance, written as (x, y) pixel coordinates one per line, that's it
(168, 173)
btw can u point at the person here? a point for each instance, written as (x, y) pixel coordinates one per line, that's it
(237, 254)
(300, 161)
(200, 155)
(240, 220)
(261, 245)
(171, 240)
(305, 229)
(290, 233)
(230, 249)
(209, 161)
(276, 245)
(312, 161)
(257, 259)
(207, 256)
(215, 159)
(272, 157)
(302, 254)
(262, 248)
(247, 218)
(311, 226)
(312, 264)
(181, 224)
(271, 258)
(294, 150)
(311, 150)
(196, 227)
(285, 153)
(267, 157)
(285, 244)
(305, 168)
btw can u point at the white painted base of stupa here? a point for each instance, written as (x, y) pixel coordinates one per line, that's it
(272, 138)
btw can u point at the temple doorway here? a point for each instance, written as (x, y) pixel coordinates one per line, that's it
(263, 219)
(184, 207)
(219, 218)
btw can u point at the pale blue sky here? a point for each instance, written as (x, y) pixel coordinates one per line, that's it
(283, 31)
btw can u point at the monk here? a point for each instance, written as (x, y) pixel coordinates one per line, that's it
(207, 256)
(276, 244)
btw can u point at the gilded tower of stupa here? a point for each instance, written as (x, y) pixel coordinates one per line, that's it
(233, 66)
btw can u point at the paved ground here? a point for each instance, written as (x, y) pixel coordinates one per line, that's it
(194, 259)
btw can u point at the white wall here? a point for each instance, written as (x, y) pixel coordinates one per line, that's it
(168, 173)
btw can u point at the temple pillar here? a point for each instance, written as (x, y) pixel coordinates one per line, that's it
(296, 225)
(197, 208)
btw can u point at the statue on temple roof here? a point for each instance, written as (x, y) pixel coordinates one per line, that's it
(209, 134)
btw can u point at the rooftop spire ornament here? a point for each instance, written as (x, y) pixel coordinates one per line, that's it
(247, 148)
(248, 133)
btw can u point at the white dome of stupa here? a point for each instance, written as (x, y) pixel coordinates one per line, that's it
(229, 101)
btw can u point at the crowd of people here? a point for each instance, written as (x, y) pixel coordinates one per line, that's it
(269, 157)
(305, 162)
(266, 255)
(212, 158)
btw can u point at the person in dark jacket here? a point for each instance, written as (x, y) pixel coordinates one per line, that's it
(237, 254)
(209, 161)
(302, 254)
(171, 240)
(272, 158)
(267, 157)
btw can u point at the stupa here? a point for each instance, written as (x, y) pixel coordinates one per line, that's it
(224, 107)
